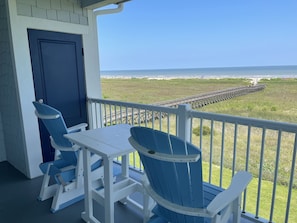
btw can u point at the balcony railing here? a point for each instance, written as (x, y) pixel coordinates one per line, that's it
(265, 148)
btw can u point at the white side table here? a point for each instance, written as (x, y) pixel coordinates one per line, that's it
(109, 143)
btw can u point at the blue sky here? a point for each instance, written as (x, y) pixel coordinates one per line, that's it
(163, 34)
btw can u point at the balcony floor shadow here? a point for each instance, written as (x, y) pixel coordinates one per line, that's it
(19, 204)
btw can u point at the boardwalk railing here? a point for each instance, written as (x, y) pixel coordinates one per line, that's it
(265, 148)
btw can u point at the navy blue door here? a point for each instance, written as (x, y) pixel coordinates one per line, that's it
(58, 73)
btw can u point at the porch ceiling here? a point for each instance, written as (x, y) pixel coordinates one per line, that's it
(93, 4)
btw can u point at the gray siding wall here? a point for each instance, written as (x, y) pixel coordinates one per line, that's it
(2, 146)
(5, 69)
(11, 143)
(68, 11)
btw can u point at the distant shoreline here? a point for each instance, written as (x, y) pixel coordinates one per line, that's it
(188, 77)
(253, 80)
(264, 72)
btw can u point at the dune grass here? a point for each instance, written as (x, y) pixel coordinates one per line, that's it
(149, 91)
(266, 195)
(276, 102)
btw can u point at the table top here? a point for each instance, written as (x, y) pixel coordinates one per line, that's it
(108, 142)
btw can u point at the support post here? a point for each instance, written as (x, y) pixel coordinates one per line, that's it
(184, 122)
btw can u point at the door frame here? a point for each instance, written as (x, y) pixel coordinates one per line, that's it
(46, 48)
(25, 155)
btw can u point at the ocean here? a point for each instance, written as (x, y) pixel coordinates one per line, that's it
(265, 72)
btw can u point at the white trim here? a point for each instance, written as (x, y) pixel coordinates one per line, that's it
(46, 116)
(174, 158)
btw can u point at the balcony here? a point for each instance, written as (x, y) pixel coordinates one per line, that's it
(265, 148)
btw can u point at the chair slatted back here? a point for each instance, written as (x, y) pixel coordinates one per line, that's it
(180, 183)
(55, 125)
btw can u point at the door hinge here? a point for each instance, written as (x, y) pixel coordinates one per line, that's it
(82, 51)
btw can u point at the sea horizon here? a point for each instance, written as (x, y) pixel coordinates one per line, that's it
(252, 72)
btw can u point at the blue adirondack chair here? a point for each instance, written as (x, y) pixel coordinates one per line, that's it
(174, 181)
(63, 177)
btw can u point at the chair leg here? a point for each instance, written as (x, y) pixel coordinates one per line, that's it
(74, 192)
(148, 204)
(63, 199)
(236, 210)
(47, 191)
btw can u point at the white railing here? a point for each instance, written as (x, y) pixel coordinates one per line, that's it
(265, 148)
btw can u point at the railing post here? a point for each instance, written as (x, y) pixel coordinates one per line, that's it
(184, 122)
(90, 115)
(94, 114)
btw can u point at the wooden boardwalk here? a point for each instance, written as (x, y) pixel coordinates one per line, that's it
(135, 115)
(201, 100)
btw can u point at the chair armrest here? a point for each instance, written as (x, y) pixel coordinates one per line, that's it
(62, 148)
(77, 128)
(238, 185)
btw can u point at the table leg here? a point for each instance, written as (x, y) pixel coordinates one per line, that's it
(125, 173)
(108, 191)
(125, 165)
(88, 213)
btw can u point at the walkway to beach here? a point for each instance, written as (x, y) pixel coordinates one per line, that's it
(196, 101)
(201, 100)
